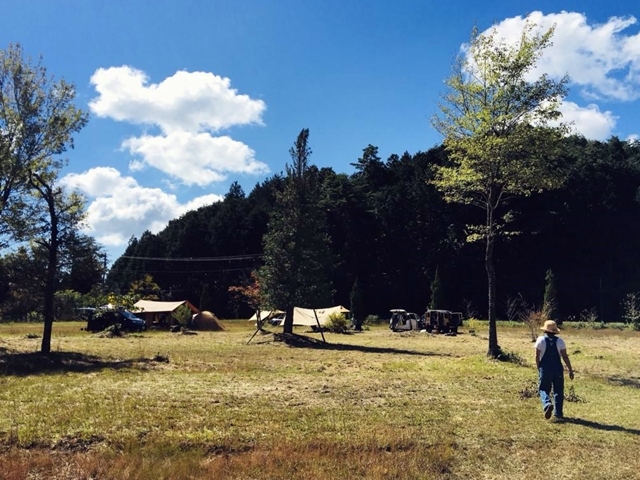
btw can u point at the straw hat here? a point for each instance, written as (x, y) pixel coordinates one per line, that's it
(550, 327)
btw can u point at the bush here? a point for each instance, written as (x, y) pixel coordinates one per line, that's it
(473, 324)
(631, 309)
(534, 319)
(34, 317)
(589, 316)
(337, 323)
(373, 320)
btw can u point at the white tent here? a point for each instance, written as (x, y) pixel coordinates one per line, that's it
(265, 314)
(306, 316)
(155, 312)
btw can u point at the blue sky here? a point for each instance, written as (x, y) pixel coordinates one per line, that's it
(187, 96)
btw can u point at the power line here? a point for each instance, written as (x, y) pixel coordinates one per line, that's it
(127, 269)
(197, 259)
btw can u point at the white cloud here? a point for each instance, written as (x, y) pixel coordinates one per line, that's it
(188, 108)
(120, 208)
(589, 121)
(194, 158)
(191, 101)
(602, 61)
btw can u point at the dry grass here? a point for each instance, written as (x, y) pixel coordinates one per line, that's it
(375, 405)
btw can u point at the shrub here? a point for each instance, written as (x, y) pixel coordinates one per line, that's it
(373, 320)
(65, 304)
(631, 309)
(182, 315)
(473, 324)
(514, 306)
(34, 317)
(589, 316)
(511, 357)
(337, 323)
(534, 319)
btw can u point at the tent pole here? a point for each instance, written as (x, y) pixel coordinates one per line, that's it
(258, 325)
(319, 327)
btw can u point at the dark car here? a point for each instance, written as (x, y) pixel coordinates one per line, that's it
(103, 318)
(443, 321)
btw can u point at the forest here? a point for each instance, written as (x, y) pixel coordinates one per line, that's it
(390, 230)
(558, 213)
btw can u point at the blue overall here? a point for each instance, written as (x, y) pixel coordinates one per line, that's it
(551, 374)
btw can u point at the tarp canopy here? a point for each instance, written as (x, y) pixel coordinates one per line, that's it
(160, 313)
(265, 314)
(152, 306)
(306, 316)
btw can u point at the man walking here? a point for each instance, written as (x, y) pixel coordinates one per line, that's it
(550, 349)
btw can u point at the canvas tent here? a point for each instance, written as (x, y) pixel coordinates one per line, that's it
(306, 316)
(160, 313)
(265, 315)
(206, 321)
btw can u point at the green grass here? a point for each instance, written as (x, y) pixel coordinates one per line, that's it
(376, 405)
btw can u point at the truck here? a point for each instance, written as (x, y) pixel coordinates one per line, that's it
(442, 321)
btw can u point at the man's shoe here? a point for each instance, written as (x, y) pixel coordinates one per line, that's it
(548, 410)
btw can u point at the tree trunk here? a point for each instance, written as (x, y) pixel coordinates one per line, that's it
(494, 348)
(49, 295)
(52, 269)
(288, 320)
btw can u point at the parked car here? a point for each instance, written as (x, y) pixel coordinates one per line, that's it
(443, 321)
(402, 320)
(104, 317)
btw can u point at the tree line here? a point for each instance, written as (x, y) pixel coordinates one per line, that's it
(388, 229)
(405, 232)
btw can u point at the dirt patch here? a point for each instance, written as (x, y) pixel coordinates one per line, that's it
(76, 444)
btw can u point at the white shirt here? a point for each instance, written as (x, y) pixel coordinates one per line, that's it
(542, 345)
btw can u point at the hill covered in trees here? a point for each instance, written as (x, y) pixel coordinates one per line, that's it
(390, 229)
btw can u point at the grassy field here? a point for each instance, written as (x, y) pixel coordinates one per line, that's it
(374, 405)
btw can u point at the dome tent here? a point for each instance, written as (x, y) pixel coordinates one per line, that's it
(206, 320)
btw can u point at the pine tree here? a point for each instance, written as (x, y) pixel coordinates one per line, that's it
(437, 292)
(550, 303)
(298, 263)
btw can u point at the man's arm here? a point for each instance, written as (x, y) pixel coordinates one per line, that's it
(537, 358)
(565, 357)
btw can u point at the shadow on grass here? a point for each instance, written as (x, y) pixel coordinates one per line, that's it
(601, 426)
(34, 363)
(301, 341)
(624, 382)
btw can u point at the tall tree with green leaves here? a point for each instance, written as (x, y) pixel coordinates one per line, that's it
(23, 279)
(55, 216)
(37, 122)
(298, 264)
(145, 288)
(83, 264)
(501, 135)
